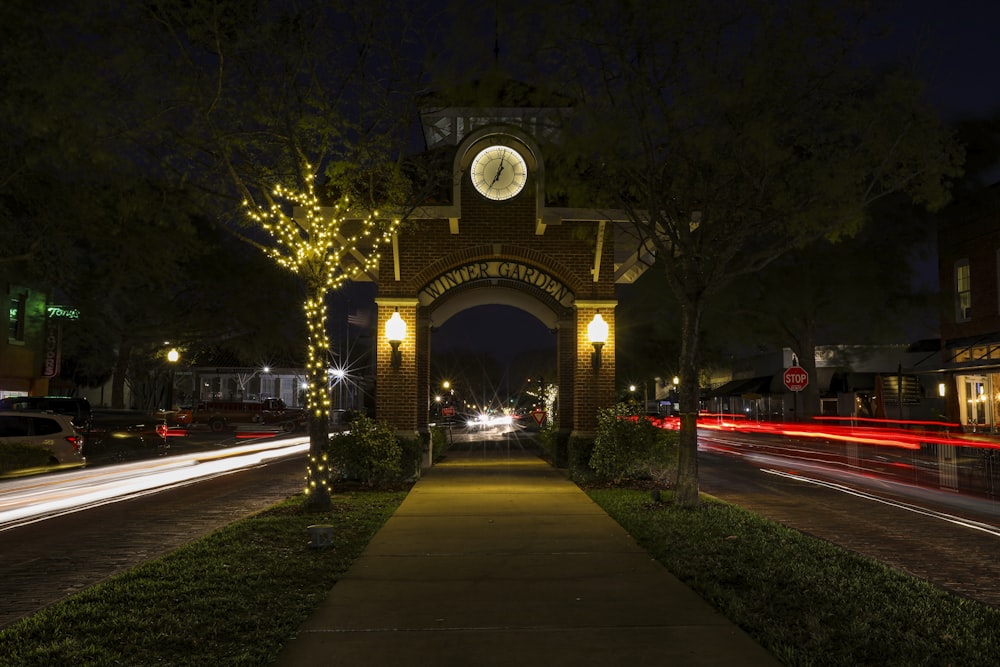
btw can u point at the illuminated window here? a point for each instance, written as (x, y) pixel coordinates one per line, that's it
(963, 291)
(15, 325)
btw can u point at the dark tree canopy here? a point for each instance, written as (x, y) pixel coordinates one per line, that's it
(731, 133)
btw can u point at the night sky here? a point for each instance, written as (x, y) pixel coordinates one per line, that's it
(961, 52)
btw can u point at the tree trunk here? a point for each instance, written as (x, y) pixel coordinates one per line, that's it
(120, 373)
(687, 452)
(317, 401)
(803, 342)
(809, 400)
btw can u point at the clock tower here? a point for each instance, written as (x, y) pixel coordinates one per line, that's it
(499, 240)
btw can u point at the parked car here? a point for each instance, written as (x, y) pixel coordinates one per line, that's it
(123, 435)
(76, 408)
(47, 430)
(220, 415)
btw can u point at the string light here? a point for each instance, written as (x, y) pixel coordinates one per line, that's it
(317, 475)
(316, 244)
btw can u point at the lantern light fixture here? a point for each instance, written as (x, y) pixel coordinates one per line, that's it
(395, 332)
(597, 332)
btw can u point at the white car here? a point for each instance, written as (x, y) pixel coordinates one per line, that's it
(48, 430)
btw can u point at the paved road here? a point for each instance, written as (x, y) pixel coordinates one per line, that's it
(958, 558)
(45, 562)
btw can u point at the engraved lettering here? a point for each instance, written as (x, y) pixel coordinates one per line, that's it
(523, 273)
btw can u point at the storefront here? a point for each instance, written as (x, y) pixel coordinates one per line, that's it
(979, 400)
(975, 386)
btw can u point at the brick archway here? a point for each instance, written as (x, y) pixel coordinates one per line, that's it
(512, 281)
(560, 264)
(403, 393)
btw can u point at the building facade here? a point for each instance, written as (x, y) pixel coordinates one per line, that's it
(969, 274)
(30, 351)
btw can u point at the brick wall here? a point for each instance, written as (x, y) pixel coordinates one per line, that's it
(395, 399)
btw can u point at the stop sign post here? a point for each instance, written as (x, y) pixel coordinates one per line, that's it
(796, 378)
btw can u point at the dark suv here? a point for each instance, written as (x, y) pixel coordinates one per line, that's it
(77, 409)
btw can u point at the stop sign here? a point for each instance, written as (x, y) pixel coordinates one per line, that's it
(796, 378)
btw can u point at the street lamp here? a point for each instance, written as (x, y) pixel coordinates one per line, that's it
(597, 332)
(339, 375)
(173, 356)
(395, 332)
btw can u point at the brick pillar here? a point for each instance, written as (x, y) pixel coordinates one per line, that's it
(595, 386)
(423, 341)
(566, 355)
(396, 389)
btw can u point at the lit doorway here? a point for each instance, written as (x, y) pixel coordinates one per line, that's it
(976, 402)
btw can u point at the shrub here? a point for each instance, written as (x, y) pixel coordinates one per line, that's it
(554, 443)
(411, 457)
(580, 452)
(368, 452)
(439, 441)
(628, 446)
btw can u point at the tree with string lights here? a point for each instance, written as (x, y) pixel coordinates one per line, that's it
(313, 242)
(301, 113)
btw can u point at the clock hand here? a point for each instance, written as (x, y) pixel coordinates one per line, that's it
(497, 177)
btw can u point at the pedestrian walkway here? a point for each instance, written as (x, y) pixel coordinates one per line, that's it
(495, 558)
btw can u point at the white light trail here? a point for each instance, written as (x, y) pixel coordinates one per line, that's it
(950, 518)
(30, 499)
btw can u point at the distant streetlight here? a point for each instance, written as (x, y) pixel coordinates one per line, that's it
(339, 374)
(173, 356)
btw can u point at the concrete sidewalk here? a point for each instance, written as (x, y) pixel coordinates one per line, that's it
(495, 558)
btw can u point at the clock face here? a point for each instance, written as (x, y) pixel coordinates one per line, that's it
(499, 172)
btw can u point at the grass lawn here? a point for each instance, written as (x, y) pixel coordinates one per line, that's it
(808, 601)
(232, 598)
(235, 597)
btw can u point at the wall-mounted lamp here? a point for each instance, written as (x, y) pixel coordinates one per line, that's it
(597, 332)
(395, 332)
(941, 389)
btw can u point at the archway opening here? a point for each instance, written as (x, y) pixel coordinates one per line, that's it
(490, 360)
